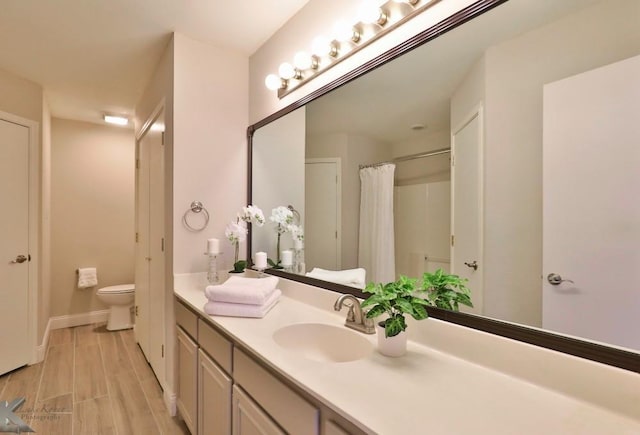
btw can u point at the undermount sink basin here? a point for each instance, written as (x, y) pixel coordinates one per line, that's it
(324, 343)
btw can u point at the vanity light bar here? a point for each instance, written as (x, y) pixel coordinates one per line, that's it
(375, 21)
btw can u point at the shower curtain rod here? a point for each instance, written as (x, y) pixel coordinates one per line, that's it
(410, 157)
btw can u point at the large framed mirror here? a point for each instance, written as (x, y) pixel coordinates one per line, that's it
(510, 130)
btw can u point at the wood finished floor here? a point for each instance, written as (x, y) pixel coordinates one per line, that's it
(92, 381)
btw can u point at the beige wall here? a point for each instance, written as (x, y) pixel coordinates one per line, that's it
(20, 97)
(92, 211)
(210, 151)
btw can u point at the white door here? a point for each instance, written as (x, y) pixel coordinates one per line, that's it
(150, 294)
(322, 214)
(591, 212)
(14, 246)
(467, 206)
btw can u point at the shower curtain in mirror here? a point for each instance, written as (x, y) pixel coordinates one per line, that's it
(376, 247)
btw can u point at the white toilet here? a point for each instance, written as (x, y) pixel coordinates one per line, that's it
(120, 300)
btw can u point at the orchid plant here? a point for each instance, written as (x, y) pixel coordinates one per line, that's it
(236, 232)
(283, 218)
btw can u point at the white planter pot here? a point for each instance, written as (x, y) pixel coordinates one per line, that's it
(391, 346)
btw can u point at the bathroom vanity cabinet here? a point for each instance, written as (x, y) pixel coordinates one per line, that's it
(224, 389)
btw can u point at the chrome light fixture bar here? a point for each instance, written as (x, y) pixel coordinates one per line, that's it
(375, 20)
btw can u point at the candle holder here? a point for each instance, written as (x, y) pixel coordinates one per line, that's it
(260, 270)
(212, 272)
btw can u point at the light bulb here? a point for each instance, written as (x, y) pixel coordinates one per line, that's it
(273, 82)
(372, 13)
(343, 31)
(286, 71)
(303, 61)
(322, 46)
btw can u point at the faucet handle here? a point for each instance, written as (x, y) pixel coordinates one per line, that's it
(351, 315)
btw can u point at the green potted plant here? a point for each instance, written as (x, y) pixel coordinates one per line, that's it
(399, 298)
(446, 291)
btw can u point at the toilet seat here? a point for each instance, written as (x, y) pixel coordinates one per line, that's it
(117, 289)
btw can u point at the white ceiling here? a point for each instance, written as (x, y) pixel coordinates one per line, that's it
(93, 56)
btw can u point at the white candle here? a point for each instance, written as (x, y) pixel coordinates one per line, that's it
(213, 246)
(261, 260)
(297, 244)
(287, 258)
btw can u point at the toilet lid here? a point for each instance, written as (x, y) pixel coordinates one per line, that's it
(123, 288)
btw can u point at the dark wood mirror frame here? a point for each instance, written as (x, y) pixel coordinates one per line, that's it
(584, 349)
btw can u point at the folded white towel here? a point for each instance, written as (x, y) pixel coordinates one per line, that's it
(242, 310)
(350, 277)
(87, 277)
(240, 290)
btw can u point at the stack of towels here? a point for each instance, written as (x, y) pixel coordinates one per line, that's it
(351, 277)
(242, 297)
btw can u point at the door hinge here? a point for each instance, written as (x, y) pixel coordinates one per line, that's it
(137, 237)
(163, 244)
(336, 234)
(452, 239)
(163, 351)
(137, 163)
(136, 311)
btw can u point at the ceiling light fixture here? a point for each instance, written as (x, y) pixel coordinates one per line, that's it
(375, 20)
(117, 120)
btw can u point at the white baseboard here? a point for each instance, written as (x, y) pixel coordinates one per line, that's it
(67, 321)
(41, 350)
(72, 320)
(170, 402)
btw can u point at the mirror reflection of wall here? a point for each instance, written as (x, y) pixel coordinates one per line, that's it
(498, 66)
(278, 174)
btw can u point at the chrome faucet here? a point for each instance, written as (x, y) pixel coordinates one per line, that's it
(356, 318)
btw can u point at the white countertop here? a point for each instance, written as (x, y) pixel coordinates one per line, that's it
(425, 391)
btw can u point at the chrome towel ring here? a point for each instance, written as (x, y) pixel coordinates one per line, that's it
(195, 207)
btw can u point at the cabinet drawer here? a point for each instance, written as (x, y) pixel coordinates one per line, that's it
(187, 319)
(218, 347)
(288, 409)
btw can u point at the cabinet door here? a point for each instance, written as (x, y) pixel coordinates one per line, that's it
(187, 399)
(214, 398)
(249, 419)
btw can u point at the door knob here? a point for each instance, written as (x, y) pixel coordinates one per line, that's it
(555, 279)
(473, 264)
(19, 259)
